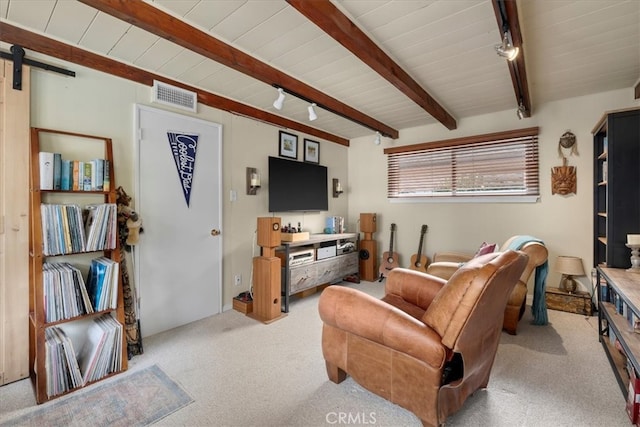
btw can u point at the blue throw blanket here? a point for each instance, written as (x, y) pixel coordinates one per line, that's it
(539, 305)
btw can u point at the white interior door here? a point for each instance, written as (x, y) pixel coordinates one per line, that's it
(178, 259)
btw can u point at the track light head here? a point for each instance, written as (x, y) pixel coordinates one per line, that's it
(506, 49)
(278, 103)
(378, 139)
(521, 111)
(312, 113)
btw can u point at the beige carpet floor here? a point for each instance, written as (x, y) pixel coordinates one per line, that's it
(244, 373)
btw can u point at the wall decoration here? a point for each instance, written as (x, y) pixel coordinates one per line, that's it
(563, 178)
(288, 145)
(567, 140)
(311, 151)
(183, 148)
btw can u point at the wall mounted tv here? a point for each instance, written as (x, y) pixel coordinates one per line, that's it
(297, 186)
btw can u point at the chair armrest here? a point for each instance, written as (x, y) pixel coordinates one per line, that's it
(452, 257)
(413, 286)
(365, 316)
(443, 269)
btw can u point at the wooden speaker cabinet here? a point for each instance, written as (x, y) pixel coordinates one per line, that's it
(267, 301)
(269, 232)
(368, 222)
(368, 256)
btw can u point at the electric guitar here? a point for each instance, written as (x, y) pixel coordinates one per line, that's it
(419, 262)
(390, 258)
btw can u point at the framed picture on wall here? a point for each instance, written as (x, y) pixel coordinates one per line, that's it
(311, 151)
(288, 145)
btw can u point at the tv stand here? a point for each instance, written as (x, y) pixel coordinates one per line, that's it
(314, 272)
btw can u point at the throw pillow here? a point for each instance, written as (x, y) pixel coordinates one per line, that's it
(485, 248)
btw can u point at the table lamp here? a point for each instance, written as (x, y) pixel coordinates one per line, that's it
(569, 266)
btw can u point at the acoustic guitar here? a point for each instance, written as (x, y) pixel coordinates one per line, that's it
(389, 258)
(419, 262)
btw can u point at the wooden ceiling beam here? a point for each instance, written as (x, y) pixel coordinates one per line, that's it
(506, 12)
(149, 18)
(38, 43)
(332, 21)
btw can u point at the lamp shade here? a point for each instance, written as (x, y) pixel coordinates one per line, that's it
(569, 265)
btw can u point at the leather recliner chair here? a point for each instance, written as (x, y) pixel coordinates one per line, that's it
(428, 343)
(446, 263)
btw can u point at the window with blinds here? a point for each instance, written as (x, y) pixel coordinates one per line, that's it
(498, 164)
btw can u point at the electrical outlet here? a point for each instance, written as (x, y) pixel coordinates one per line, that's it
(238, 279)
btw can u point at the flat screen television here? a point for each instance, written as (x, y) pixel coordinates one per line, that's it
(297, 186)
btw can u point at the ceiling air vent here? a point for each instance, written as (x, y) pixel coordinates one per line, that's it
(174, 96)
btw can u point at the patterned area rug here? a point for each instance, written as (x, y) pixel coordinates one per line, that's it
(137, 399)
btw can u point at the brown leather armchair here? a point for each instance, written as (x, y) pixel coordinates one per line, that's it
(429, 343)
(446, 263)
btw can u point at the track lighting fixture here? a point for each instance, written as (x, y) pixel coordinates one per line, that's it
(506, 49)
(278, 103)
(521, 111)
(312, 112)
(378, 139)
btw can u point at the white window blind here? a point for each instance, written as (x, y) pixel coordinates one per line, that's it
(499, 164)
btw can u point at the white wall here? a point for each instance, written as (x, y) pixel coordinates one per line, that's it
(564, 223)
(98, 104)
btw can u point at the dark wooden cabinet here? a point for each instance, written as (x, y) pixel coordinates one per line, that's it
(616, 186)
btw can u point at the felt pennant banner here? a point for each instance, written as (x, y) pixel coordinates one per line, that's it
(183, 148)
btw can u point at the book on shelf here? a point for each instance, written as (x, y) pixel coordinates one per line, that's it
(65, 231)
(57, 171)
(107, 176)
(97, 175)
(101, 226)
(46, 170)
(86, 177)
(63, 371)
(82, 351)
(66, 177)
(102, 283)
(604, 293)
(60, 223)
(65, 293)
(75, 175)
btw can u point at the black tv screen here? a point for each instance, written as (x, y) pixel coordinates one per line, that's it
(297, 186)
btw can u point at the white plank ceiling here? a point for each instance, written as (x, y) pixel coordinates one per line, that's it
(572, 48)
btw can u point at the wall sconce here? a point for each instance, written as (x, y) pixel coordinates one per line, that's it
(337, 187)
(253, 181)
(569, 266)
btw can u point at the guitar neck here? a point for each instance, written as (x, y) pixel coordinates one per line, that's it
(420, 245)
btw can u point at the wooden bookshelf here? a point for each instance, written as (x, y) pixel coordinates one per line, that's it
(38, 324)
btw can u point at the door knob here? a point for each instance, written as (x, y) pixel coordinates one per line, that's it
(215, 232)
